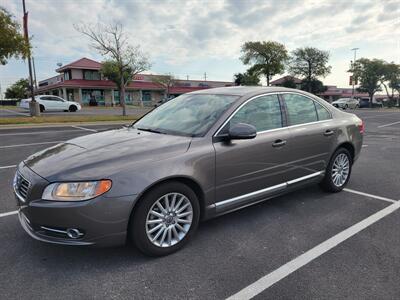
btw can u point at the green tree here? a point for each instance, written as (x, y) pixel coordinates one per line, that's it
(314, 86)
(391, 80)
(309, 64)
(370, 74)
(265, 58)
(110, 70)
(111, 41)
(167, 81)
(246, 79)
(18, 90)
(12, 42)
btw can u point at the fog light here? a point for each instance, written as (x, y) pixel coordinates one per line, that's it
(74, 233)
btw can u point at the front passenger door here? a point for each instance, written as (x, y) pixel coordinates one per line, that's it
(250, 169)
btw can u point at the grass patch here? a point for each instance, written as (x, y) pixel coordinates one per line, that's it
(64, 119)
(9, 106)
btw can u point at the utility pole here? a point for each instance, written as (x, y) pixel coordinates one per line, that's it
(34, 72)
(353, 78)
(187, 77)
(33, 105)
(205, 76)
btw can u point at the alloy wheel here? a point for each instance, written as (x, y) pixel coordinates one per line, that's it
(169, 220)
(340, 169)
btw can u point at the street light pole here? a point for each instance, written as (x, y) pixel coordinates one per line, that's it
(33, 105)
(354, 61)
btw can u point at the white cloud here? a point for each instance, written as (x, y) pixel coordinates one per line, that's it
(190, 35)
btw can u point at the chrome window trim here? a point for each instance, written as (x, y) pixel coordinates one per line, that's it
(271, 188)
(243, 104)
(280, 128)
(323, 105)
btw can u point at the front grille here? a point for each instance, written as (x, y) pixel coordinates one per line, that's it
(22, 186)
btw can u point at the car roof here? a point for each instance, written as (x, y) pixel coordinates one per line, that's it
(247, 90)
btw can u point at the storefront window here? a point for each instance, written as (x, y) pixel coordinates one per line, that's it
(93, 97)
(128, 97)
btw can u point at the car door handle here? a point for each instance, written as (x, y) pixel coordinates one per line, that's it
(328, 132)
(279, 143)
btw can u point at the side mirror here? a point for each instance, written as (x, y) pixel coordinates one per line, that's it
(242, 131)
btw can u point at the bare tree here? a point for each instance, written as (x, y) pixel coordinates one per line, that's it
(112, 42)
(167, 81)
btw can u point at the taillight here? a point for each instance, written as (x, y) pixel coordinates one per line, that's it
(361, 127)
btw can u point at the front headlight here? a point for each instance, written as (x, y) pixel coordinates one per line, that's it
(76, 191)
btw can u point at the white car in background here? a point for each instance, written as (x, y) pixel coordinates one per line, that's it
(345, 103)
(52, 103)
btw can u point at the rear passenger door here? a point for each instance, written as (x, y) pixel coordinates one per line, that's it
(313, 134)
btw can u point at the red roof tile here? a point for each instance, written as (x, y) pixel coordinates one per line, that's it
(83, 63)
(284, 78)
(184, 89)
(76, 83)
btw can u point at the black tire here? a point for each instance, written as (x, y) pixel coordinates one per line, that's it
(346, 106)
(41, 107)
(327, 183)
(73, 108)
(137, 226)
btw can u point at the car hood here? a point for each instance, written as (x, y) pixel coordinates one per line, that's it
(103, 154)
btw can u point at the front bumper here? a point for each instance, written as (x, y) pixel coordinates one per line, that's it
(102, 221)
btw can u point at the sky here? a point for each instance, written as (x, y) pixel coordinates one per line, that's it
(189, 38)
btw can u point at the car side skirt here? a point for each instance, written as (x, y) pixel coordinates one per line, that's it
(239, 202)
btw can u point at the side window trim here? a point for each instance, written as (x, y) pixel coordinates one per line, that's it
(282, 94)
(246, 102)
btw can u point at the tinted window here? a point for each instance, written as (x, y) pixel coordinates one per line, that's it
(300, 109)
(323, 113)
(264, 113)
(190, 114)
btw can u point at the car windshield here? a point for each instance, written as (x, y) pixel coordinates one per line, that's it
(189, 115)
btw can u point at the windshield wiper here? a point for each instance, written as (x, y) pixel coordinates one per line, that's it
(150, 130)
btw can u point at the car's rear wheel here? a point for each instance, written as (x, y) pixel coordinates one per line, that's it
(41, 107)
(346, 106)
(72, 108)
(338, 172)
(165, 219)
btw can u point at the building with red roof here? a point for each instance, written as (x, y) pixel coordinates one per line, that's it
(82, 81)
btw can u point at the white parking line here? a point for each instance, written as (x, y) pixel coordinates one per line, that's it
(16, 112)
(37, 132)
(369, 195)
(83, 128)
(8, 213)
(363, 146)
(268, 280)
(8, 167)
(32, 144)
(390, 124)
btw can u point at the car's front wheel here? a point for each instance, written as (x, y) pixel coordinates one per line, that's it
(338, 172)
(165, 219)
(72, 108)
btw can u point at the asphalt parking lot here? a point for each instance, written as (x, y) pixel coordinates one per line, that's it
(305, 245)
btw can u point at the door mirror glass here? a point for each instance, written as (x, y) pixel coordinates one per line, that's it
(242, 131)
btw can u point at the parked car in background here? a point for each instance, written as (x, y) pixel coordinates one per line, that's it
(52, 103)
(200, 155)
(345, 103)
